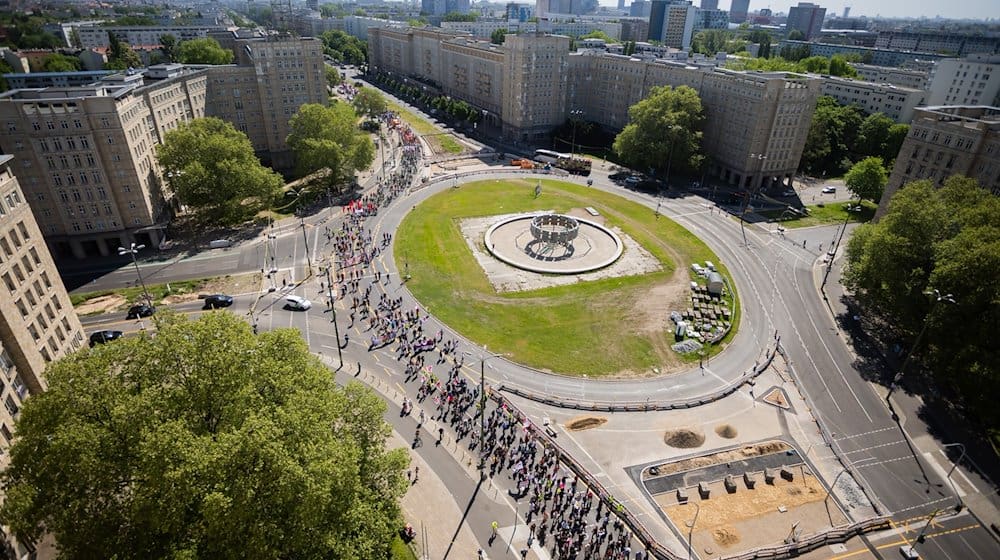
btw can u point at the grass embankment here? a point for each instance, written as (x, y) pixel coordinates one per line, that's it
(435, 136)
(826, 214)
(589, 328)
(401, 550)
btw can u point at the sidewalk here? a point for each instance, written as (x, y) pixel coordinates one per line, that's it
(429, 506)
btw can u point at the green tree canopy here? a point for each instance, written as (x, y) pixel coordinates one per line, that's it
(456, 16)
(333, 78)
(831, 138)
(212, 168)
(867, 178)
(204, 441)
(328, 137)
(498, 35)
(61, 63)
(203, 51)
(664, 129)
(796, 35)
(344, 47)
(168, 44)
(120, 55)
(947, 239)
(369, 102)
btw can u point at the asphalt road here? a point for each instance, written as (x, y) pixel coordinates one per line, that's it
(777, 279)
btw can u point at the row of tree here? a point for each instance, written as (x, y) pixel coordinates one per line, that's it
(344, 48)
(455, 108)
(841, 135)
(947, 239)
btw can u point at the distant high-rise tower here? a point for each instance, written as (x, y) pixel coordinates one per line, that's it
(847, 12)
(738, 11)
(672, 23)
(807, 18)
(621, 4)
(709, 4)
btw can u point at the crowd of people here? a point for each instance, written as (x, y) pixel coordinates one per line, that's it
(562, 513)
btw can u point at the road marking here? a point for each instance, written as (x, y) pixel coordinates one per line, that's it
(880, 430)
(875, 447)
(905, 542)
(933, 462)
(925, 504)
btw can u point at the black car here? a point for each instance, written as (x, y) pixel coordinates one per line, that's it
(216, 301)
(100, 337)
(141, 310)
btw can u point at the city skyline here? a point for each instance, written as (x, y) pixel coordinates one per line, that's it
(972, 9)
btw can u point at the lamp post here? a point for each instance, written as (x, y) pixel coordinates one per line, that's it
(691, 530)
(960, 504)
(134, 250)
(333, 312)
(670, 150)
(482, 404)
(574, 115)
(938, 298)
(760, 168)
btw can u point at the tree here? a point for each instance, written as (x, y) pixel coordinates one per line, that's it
(369, 102)
(832, 135)
(61, 63)
(867, 179)
(498, 35)
(203, 51)
(344, 47)
(894, 143)
(456, 16)
(120, 55)
(168, 44)
(945, 238)
(840, 67)
(333, 78)
(873, 135)
(796, 35)
(212, 168)
(328, 138)
(204, 441)
(663, 129)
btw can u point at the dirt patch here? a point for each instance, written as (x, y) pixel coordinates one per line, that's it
(101, 304)
(764, 448)
(684, 438)
(585, 423)
(777, 398)
(725, 536)
(651, 310)
(726, 431)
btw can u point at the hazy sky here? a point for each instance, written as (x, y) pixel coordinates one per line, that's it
(977, 9)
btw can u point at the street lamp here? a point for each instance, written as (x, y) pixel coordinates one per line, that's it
(333, 311)
(960, 504)
(574, 116)
(482, 404)
(670, 150)
(691, 529)
(938, 298)
(760, 169)
(134, 250)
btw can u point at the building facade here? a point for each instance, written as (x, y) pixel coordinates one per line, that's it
(37, 321)
(903, 77)
(54, 79)
(710, 19)
(938, 42)
(893, 101)
(868, 55)
(738, 10)
(945, 141)
(756, 123)
(972, 80)
(92, 36)
(807, 18)
(672, 23)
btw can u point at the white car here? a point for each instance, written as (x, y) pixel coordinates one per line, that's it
(829, 190)
(297, 303)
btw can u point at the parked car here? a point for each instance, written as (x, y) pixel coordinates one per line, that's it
(297, 303)
(100, 337)
(633, 180)
(788, 192)
(140, 310)
(829, 189)
(215, 301)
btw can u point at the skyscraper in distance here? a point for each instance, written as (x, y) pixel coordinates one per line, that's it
(807, 18)
(709, 4)
(738, 11)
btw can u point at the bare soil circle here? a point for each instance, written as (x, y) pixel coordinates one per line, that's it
(726, 431)
(585, 423)
(684, 438)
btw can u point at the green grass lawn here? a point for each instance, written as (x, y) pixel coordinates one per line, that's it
(825, 214)
(401, 550)
(422, 126)
(581, 329)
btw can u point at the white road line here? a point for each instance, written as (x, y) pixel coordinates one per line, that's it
(940, 470)
(874, 447)
(923, 505)
(880, 430)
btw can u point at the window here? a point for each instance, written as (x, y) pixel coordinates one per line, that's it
(12, 407)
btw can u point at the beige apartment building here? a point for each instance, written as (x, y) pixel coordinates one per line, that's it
(893, 101)
(756, 123)
(37, 321)
(945, 141)
(86, 155)
(86, 160)
(271, 79)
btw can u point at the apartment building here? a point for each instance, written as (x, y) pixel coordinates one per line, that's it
(672, 23)
(93, 36)
(938, 42)
(806, 18)
(756, 123)
(903, 77)
(85, 155)
(893, 101)
(945, 141)
(54, 79)
(738, 10)
(37, 321)
(869, 55)
(271, 79)
(972, 80)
